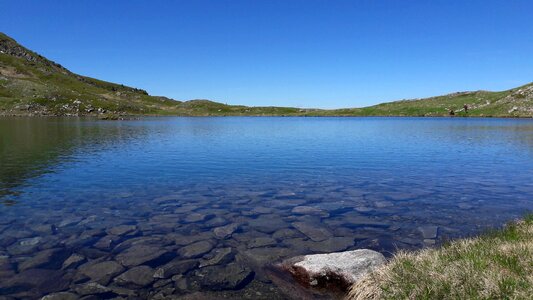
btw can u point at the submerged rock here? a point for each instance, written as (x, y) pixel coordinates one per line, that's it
(261, 242)
(69, 221)
(183, 240)
(262, 256)
(286, 233)
(216, 222)
(354, 221)
(40, 280)
(195, 250)
(196, 217)
(315, 233)
(429, 242)
(101, 272)
(383, 204)
(136, 277)
(60, 296)
(47, 259)
(225, 231)
(408, 240)
(121, 230)
(228, 277)
(43, 228)
(338, 270)
(309, 211)
(465, 206)
(140, 254)
(268, 223)
(106, 242)
(91, 288)
(262, 210)
(332, 244)
(363, 209)
(30, 241)
(122, 291)
(73, 261)
(217, 257)
(429, 232)
(176, 266)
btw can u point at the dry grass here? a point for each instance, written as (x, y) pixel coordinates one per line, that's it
(497, 265)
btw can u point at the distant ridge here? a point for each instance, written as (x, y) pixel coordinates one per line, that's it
(32, 85)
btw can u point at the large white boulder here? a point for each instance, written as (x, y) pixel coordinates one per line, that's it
(340, 269)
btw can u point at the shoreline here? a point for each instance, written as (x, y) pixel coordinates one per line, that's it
(134, 116)
(494, 264)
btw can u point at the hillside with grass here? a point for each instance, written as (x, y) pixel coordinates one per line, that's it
(30, 84)
(517, 102)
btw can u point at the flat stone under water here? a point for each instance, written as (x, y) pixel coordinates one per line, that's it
(203, 207)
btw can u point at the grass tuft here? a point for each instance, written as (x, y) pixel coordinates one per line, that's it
(496, 265)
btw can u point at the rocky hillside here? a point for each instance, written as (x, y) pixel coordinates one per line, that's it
(30, 84)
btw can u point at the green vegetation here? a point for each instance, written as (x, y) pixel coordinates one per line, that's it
(497, 265)
(33, 85)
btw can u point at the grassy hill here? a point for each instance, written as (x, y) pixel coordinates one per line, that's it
(517, 102)
(33, 85)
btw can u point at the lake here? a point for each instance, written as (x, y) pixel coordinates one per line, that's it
(161, 206)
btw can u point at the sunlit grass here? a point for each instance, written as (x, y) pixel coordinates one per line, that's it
(497, 265)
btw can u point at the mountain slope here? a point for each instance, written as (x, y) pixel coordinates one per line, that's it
(516, 102)
(33, 85)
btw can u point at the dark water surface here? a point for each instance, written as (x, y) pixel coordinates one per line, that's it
(174, 206)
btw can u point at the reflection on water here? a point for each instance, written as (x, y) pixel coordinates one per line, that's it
(204, 205)
(28, 146)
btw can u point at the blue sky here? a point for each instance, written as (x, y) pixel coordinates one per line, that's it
(306, 53)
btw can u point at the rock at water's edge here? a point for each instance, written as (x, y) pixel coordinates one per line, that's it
(334, 270)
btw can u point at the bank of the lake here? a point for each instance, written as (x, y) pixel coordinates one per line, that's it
(496, 265)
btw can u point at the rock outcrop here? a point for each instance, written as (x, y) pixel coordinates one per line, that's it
(333, 271)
